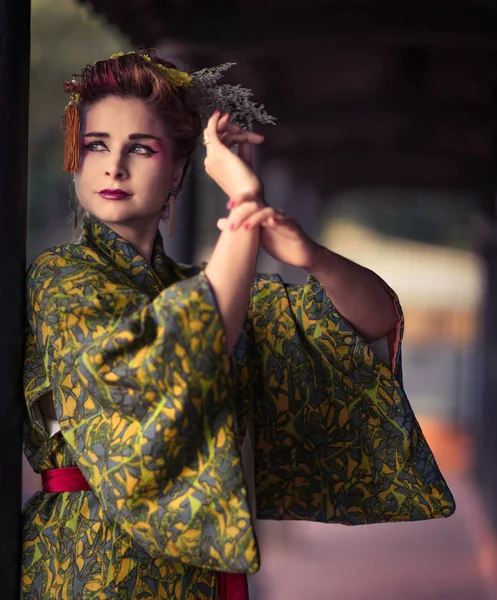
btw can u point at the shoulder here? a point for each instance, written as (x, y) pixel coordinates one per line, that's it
(184, 271)
(268, 284)
(269, 290)
(63, 255)
(58, 264)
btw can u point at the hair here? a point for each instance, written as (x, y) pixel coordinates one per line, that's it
(133, 76)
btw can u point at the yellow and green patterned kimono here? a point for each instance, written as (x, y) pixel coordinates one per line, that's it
(152, 410)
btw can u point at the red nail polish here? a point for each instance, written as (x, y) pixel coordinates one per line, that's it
(232, 227)
(246, 225)
(230, 204)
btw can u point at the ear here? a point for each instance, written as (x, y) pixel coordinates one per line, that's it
(179, 173)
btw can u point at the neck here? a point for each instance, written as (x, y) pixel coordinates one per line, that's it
(140, 234)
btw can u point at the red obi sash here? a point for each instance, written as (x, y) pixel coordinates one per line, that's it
(232, 586)
(68, 479)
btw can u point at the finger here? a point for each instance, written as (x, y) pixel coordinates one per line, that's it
(260, 217)
(254, 138)
(245, 153)
(235, 201)
(233, 127)
(222, 224)
(271, 222)
(241, 213)
(210, 132)
(222, 125)
(243, 138)
(236, 129)
(278, 220)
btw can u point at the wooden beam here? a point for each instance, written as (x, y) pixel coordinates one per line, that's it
(243, 30)
(421, 110)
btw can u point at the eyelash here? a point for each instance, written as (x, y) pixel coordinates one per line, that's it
(150, 152)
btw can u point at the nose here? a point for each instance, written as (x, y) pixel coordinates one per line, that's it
(117, 173)
(116, 169)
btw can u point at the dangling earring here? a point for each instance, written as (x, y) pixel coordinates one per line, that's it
(171, 203)
(73, 204)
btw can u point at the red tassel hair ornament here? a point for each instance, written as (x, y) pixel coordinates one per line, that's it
(72, 127)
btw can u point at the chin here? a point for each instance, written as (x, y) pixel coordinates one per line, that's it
(120, 212)
(113, 212)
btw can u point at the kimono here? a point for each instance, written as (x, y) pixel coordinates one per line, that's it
(152, 408)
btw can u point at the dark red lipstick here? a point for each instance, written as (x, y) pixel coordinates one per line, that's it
(114, 194)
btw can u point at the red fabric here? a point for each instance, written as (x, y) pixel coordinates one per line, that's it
(68, 479)
(233, 586)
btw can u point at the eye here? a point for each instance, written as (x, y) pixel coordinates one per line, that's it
(96, 146)
(142, 149)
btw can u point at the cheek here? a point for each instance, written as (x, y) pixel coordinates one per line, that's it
(78, 184)
(83, 178)
(157, 170)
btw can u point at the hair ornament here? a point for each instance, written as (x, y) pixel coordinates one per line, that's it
(232, 99)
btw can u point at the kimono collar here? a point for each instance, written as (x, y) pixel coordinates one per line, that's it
(152, 278)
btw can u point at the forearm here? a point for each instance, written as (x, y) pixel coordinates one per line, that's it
(358, 294)
(230, 272)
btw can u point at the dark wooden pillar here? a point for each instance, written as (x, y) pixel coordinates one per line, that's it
(14, 86)
(181, 246)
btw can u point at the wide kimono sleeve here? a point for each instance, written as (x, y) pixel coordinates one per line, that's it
(334, 436)
(143, 392)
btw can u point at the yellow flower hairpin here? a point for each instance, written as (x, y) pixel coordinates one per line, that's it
(176, 78)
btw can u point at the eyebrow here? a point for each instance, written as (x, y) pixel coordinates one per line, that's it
(132, 136)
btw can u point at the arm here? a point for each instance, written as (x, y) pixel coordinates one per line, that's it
(357, 293)
(143, 394)
(231, 268)
(231, 272)
(335, 437)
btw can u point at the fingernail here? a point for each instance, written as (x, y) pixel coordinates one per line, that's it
(246, 225)
(216, 112)
(230, 204)
(232, 227)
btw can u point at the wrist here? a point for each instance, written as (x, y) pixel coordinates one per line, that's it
(256, 194)
(238, 199)
(316, 259)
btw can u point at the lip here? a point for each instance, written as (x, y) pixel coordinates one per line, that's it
(114, 194)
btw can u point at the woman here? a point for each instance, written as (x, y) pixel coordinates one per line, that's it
(139, 384)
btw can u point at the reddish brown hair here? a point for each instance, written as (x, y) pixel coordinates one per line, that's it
(132, 76)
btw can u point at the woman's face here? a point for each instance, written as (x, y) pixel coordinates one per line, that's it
(126, 167)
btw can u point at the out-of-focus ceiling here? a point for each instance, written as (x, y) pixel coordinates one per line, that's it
(366, 92)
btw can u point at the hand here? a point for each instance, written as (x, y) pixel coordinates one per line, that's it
(280, 236)
(233, 173)
(231, 135)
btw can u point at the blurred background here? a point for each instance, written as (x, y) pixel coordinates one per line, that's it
(385, 151)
